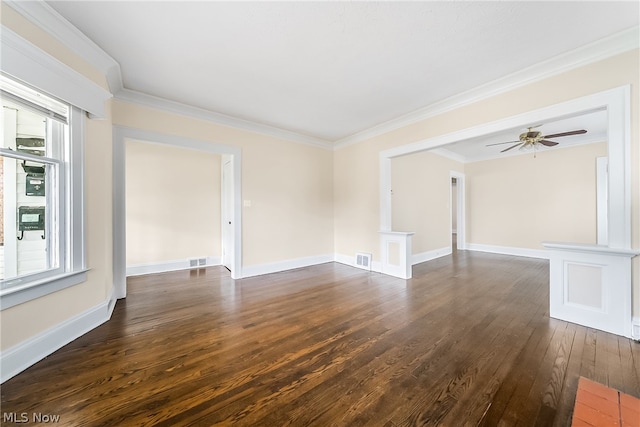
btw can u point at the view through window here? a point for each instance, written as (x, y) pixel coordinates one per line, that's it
(34, 134)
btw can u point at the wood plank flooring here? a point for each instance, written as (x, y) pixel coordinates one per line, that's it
(467, 342)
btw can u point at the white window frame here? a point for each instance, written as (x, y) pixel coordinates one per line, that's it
(23, 61)
(68, 209)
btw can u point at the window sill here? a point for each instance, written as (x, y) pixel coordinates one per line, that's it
(35, 289)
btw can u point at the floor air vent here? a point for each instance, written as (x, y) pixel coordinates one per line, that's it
(198, 262)
(363, 261)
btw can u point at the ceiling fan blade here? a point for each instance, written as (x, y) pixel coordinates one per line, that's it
(547, 142)
(500, 143)
(513, 146)
(573, 132)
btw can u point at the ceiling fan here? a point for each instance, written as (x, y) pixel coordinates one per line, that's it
(532, 138)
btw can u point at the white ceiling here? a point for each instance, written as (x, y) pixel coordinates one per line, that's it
(332, 69)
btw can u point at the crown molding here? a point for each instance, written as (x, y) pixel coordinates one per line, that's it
(45, 17)
(607, 47)
(163, 104)
(28, 63)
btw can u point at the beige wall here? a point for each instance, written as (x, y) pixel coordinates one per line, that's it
(524, 200)
(356, 183)
(289, 185)
(421, 185)
(173, 203)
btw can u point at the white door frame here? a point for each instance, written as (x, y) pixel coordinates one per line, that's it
(461, 225)
(602, 186)
(120, 135)
(226, 216)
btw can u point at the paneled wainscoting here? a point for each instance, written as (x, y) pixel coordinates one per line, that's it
(467, 341)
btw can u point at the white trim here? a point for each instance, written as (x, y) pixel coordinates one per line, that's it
(9, 126)
(398, 243)
(615, 44)
(46, 18)
(120, 135)
(119, 215)
(165, 266)
(24, 354)
(591, 249)
(635, 328)
(290, 264)
(28, 63)
(376, 266)
(430, 255)
(461, 209)
(226, 211)
(66, 197)
(32, 289)
(162, 104)
(602, 187)
(614, 267)
(508, 250)
(75, 183)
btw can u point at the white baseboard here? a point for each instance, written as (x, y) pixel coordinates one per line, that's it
(30, 351)
(429, 255)
(164, 266)
(635, 328)
(376, 266)
(275, 267)
(508, 250)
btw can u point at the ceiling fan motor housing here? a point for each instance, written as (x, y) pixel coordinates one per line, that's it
(531, 137)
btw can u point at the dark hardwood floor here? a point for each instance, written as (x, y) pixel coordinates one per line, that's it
(468, 341)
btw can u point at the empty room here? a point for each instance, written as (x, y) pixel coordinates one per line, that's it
(320, 213)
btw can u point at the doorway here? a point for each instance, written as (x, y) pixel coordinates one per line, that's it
(227, 212)
(232, 154)
(458, 217)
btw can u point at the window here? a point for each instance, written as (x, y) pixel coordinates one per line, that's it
(41, 244)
